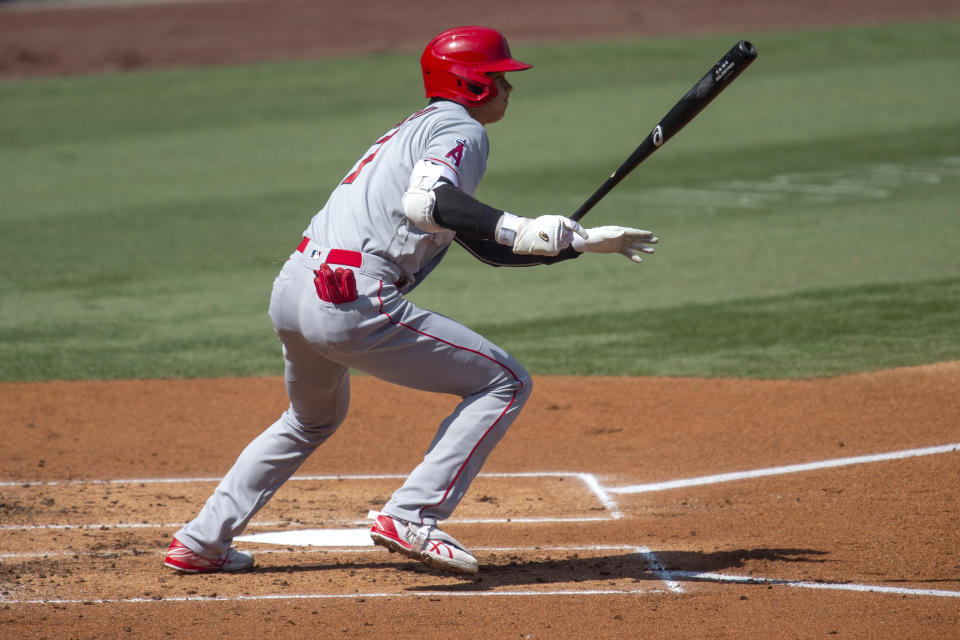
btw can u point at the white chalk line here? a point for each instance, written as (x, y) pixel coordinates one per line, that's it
(65, 483)
(309, 478)
(603, 494)
(793, 468)
(347, 596)
(652, 562)
(105, 526)
(833, 586)
(661, 572)
(690, 575)
(589, 481)
(109, 555)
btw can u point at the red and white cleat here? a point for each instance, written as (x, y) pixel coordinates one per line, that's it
(181, 558)
(425, 543)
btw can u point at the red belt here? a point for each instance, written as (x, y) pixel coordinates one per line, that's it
(337, 256)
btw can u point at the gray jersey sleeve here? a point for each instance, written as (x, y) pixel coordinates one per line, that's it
(464, 148)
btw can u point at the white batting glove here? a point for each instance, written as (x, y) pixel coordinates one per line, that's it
(543, 236)
(623, 240)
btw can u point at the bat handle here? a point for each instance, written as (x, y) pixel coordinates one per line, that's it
(594, 199)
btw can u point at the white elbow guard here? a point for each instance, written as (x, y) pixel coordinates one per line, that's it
(417, 205)
(418, 201)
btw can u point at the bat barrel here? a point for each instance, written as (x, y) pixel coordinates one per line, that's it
(731, 65)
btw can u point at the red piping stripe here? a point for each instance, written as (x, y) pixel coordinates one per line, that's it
(483, 355)
(451, 167)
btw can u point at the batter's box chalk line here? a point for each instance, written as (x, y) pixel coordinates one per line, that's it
(671, 579)
(793, 468)
(357, 540)
(603, 494)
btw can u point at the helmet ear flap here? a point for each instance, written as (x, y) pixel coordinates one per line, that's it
(483, 94)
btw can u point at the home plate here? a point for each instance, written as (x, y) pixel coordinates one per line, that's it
(313, 538)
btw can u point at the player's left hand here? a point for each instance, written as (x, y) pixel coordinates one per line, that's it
(546, 235)
(623, 240)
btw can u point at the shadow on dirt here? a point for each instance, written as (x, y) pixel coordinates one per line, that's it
(618, 567)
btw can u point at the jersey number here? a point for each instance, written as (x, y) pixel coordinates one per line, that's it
(379, 145)
(356, 172)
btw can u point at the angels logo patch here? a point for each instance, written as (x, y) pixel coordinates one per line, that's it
(456, 154)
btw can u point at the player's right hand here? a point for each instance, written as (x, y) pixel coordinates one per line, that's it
(546, 235)
(623, 240)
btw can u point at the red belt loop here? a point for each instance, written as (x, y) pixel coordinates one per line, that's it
(303, 244)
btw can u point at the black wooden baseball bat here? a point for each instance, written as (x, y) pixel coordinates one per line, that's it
(716, 80)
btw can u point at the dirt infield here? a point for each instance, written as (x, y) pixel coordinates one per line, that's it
(126, 34)
(784, 526)
(570, 519)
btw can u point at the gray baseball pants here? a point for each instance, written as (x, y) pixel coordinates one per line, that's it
(384, 335)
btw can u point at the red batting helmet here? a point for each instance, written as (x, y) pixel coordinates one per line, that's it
(456, 63)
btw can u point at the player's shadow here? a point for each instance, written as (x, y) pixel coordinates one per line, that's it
(631, 566)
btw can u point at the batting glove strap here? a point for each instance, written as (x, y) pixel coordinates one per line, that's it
(545, 236)
(507, 228)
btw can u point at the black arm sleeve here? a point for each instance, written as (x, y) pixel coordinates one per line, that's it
(500, 255)
(476, 227)
(461, 212)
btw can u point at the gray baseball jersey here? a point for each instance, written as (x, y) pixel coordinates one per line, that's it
(363, 212)
(363, 228)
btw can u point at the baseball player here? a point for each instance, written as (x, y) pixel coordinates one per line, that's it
(339, 303)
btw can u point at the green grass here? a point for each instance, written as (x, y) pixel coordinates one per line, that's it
(808, 334)
(808, 217)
